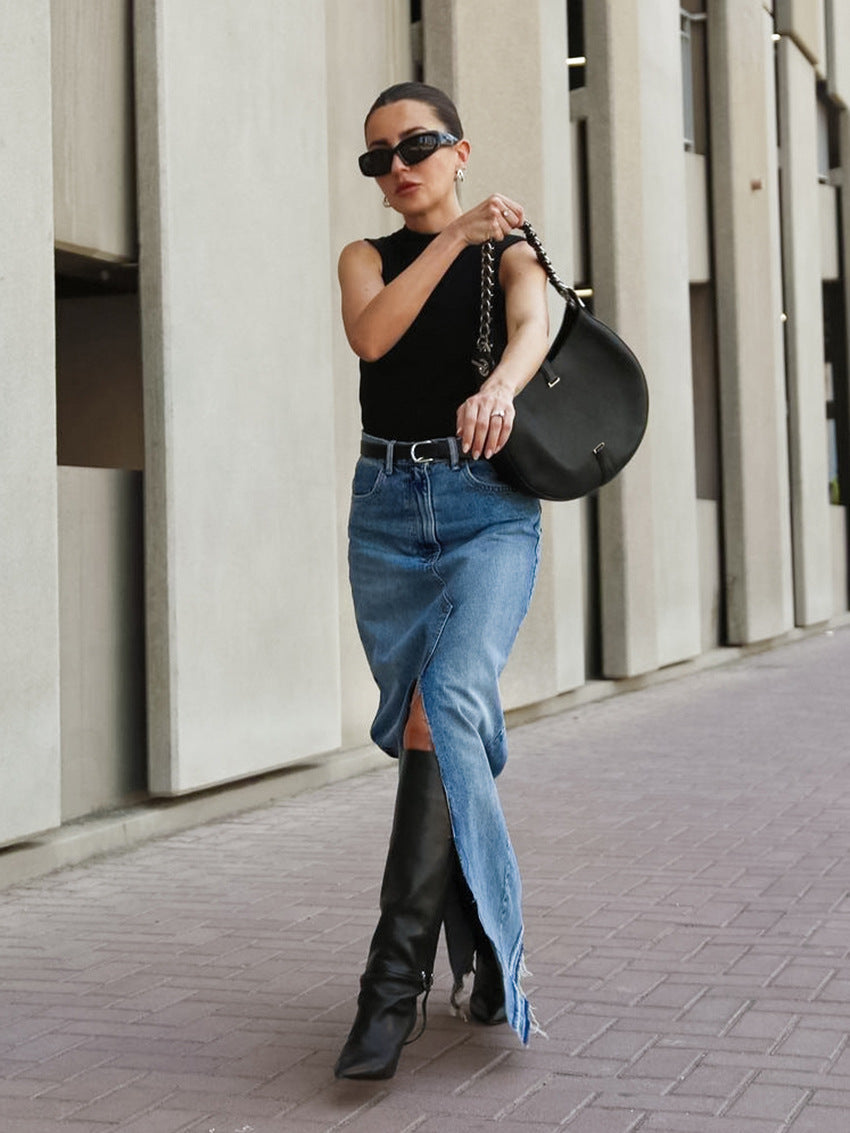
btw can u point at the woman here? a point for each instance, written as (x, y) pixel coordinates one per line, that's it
(442, 557)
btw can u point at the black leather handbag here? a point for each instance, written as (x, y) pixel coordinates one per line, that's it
(580, 419)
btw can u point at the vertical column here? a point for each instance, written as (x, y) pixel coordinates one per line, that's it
(242, 593)
(844, 205)
(639, 237)
(505, 66)
(749, 306)
(838, 49)
(805, 21)
(801, 240)
(838, 43)
(368, 49)
(29, 646)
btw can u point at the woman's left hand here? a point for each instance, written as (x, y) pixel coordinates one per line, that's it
(485, 420)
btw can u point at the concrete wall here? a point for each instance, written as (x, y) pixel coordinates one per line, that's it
(639, 239)
(838, 524)
(838, 49)
(29, 644)
(803, 21)
(242, 597)
(101, 585)
(93, 139)
(699, 226)
(844, 201)
(711, 582)
(801, 239)
(830, 242)
(752, 379)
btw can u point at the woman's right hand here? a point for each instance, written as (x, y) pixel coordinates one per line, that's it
(493, 219)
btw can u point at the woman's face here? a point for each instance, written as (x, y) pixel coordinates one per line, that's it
(414, 189)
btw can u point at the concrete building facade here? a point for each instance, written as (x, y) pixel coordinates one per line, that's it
(181, 414)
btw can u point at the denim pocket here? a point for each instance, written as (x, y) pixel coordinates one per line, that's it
(483, 475)
(368, 477)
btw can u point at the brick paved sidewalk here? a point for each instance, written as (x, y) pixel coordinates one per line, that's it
(687, 880)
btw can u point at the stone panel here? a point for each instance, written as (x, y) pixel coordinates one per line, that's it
(639, 236)
(803, 21)
(94, 172)
(752, 380)
(804, 337)
(242, 588)
(29, 644)
(838, 49)
(102, 639)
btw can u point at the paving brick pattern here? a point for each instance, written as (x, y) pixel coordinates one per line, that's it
(687, 898)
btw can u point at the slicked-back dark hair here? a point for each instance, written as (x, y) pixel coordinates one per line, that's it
(438, 100)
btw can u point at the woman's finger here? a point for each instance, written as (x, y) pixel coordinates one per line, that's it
(512, 212)
(484, 423)
(467, 415)
(501, 425)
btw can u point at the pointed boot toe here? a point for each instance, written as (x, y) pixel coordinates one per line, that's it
(386, 1015)
(487, 1001)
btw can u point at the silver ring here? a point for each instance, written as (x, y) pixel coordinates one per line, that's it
(497, 413)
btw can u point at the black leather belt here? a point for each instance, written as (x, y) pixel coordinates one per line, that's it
(420, 452)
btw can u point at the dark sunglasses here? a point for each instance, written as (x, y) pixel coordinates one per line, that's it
(412, 150)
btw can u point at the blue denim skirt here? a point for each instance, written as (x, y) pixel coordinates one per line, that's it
(442, 560)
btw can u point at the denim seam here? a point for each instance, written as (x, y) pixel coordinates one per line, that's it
(498, 489)
(379, 479)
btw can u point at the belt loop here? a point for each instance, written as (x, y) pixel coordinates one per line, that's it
(453, 451)
(388, 463)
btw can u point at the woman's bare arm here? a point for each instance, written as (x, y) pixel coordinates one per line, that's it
(375, 315)
(524, 283)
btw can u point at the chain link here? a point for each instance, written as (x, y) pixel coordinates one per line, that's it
(563, 289)
(483, 360)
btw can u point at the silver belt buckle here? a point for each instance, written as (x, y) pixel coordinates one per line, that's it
(420, 459)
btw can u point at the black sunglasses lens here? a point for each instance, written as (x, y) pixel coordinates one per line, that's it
(414, 150)
(376, 162)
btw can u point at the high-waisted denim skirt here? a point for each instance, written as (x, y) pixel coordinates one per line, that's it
(442, 560)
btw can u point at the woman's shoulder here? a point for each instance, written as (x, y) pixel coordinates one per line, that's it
(516, 250)
(517, 259)
(511, 241)
(400, 238)
(359, 253)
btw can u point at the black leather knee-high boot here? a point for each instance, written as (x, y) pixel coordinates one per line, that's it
(487, 1000)
(401, 956)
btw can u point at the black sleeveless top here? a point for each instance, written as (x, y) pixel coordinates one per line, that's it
(413, 392)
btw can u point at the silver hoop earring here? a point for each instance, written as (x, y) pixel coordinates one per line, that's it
(386, 203)
(460, 175)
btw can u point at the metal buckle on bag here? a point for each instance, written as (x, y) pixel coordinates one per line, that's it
(420, 459)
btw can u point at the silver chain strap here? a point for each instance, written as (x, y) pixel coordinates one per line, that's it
(563, 289)
(483, 360)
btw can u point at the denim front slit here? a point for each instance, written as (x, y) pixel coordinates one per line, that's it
(442, 562)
